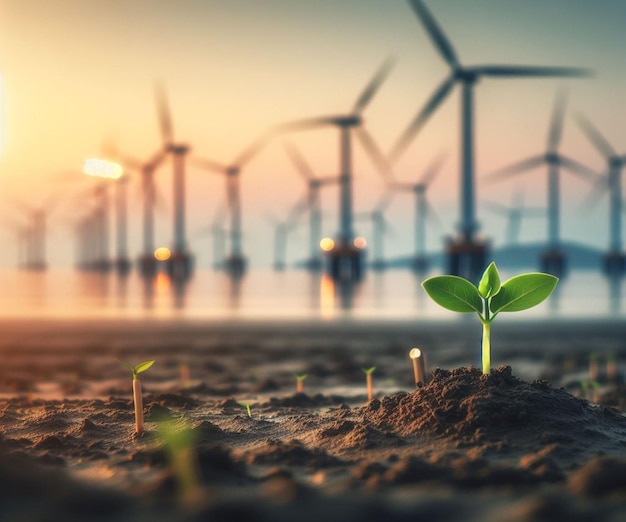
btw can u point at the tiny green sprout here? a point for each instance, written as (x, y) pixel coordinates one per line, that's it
(179, 442)
(246, 405)
(368, 379)
(490, 297)
(590, 389)
(300, 382)
(137, 398)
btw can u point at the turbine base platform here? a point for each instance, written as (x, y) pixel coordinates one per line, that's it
(378, 264)
(345, 263)
(147, 265)
(420, 264)
(123, 265)
(553, 262)
(467, 257)
(235, 265)
(179, 266)
(279, 267)
(614, 264)
(314, 264)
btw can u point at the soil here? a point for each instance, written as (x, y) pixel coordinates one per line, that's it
(463, 447)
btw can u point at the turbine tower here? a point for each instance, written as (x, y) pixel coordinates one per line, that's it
(615, 260)
(282, 229)
(553, 259)
(423, 210)
(314, 185)
(514, 214)
(345, 257)
(147, 262)
(235, 263)
(466, 253)
(180, 263)
(380, 227)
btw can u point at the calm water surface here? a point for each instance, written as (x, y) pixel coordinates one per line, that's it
(260, 294)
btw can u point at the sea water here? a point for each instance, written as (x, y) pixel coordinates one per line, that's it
(266, 294)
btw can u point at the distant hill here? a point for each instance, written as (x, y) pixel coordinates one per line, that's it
(526, 256)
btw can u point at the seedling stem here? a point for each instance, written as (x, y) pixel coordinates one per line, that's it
(137, 397)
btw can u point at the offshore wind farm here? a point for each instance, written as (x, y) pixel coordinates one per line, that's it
(348, 207)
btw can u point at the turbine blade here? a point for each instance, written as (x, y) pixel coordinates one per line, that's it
(327, 180)
(433, 170)
(403, 187)
(578, 168)
(302, 166)
(308, 123)
(516, 168)
(600, 187)
(432, 214)
(533, 212)
(440, 40)
(595, 137)
(251, 151)
(208, 164)
(375, 154)
(384, 201)
(515, 71)
(163, 111)
(556, 127)
(372, 87)
(297, 210)
(420, 119)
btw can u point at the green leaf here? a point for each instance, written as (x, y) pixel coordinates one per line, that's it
(490, 282)
(522, 292)
(128, 365)
(142, 367)
(454, 293)
(369, 370)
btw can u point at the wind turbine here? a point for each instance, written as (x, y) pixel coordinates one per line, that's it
(553, 259)
(235, 263)
(346, 257)
(147, 262)
(282, 229)
(514, 214)
(423, 210)
(466, 254)
(36, 233)
(380, 227)
(180, 262)
(615, 260)
(314, 185)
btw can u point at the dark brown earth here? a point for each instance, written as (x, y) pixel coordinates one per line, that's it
(464, 447)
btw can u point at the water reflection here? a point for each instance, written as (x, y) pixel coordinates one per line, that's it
(615, 294)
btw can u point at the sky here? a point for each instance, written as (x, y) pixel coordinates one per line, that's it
(77, 73)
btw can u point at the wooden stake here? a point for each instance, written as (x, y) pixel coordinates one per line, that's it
(419, 365)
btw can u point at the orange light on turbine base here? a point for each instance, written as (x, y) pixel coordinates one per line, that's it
(327, 244)
(162, 254)
(359, 242)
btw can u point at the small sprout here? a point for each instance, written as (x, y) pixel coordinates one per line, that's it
(300, 382)
(590, 390)
(368, 379)
(246, 405)
(184, 375)
(179, 442)
(137, 398)
(611, 368)
(490, 297)
(594, 367)
(419, 365)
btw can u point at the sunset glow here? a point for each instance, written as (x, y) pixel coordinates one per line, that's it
(103, 168)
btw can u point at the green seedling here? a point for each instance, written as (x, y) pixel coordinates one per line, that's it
(246, 405)
(368, 379)
(137, 398)
(490, 298)
(590, 390)
(594, 367)
(179, 448)
(300, 382)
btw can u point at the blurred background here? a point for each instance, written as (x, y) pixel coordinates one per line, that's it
(161, 87)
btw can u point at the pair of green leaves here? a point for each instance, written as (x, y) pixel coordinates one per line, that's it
(141, 367)
(491, 296)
